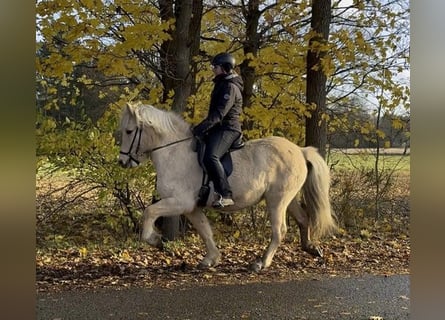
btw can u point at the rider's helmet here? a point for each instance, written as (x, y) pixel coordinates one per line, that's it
(225, 60)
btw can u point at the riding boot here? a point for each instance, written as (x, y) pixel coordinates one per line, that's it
(221, 202)
(219, 178)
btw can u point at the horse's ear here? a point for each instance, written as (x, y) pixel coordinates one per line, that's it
(130, 107)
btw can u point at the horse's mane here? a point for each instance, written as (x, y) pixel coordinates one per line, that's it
(162, 121)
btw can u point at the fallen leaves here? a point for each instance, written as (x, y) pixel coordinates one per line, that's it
(145, 266)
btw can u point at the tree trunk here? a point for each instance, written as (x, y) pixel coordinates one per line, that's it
(251, 45)
(178, 68)
(167, 50)
(181, 57)
(316, 127)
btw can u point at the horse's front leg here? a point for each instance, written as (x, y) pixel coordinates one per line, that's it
(202, 226)
(167, 207)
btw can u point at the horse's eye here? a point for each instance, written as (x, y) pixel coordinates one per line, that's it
(129, 131)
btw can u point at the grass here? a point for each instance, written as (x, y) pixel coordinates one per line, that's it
(340, 161)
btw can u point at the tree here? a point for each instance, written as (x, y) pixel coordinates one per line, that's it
(251, 46)
(365, 39)
(316, 126)
(178, 67)
(94, 56)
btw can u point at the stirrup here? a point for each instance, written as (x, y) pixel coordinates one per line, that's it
(222, 202)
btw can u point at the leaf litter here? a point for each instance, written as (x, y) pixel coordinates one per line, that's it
(139, 265)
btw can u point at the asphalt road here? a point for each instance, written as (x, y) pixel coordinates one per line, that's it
(368, 297)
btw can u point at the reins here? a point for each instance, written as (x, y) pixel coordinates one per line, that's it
(138, 134)
(170, 144)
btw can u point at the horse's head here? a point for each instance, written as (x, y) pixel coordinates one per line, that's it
(145, 129)
(132, 137)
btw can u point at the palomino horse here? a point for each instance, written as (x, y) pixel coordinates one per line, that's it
(273, 169)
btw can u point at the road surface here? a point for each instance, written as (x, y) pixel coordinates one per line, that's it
(367, 297)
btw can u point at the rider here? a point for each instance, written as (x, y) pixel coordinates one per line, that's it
(222, 126)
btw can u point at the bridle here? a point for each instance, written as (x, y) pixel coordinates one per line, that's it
(138, 134)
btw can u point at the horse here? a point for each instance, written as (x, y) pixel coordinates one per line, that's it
(271, 169)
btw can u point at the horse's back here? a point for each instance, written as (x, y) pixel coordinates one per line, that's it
(274, 150)
(272, 141)
(266, 164)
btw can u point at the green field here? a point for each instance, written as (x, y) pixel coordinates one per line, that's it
(339, 160)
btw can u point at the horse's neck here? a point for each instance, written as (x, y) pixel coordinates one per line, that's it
(172, 149)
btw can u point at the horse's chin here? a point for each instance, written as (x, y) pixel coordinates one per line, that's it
(132, 164)
(128, 164)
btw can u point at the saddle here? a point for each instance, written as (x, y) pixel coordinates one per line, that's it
(226, 162)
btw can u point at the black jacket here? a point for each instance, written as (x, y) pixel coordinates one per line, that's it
(226, 105)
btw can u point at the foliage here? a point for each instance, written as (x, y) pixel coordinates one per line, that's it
(93, 56)
(376, 29)
(77, 163)
(353, 127)
(359, 197)
(100, 35)
(367, 51)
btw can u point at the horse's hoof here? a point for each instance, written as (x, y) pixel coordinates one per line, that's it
(160, 246)
(256, 266)
(207, 264)
(319, 252)
(155, 240)
(204, 265)
(315, 251)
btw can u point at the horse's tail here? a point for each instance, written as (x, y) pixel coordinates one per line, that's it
(316, 195)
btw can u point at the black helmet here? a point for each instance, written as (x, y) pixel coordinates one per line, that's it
(225, 60)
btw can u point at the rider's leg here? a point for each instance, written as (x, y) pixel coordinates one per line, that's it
(218, 143)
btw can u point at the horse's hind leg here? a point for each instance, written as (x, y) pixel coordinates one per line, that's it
(297, 210)
(202, 226)
(279, 229)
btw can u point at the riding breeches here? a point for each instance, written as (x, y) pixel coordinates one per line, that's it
(217, 144)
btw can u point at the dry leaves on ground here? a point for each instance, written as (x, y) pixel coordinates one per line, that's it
(345, 255)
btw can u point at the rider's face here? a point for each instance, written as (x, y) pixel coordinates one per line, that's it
(217, 69)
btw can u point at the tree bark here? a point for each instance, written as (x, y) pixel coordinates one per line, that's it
(316, 127)
(251, 45)
(167, 50)
(176, 54)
